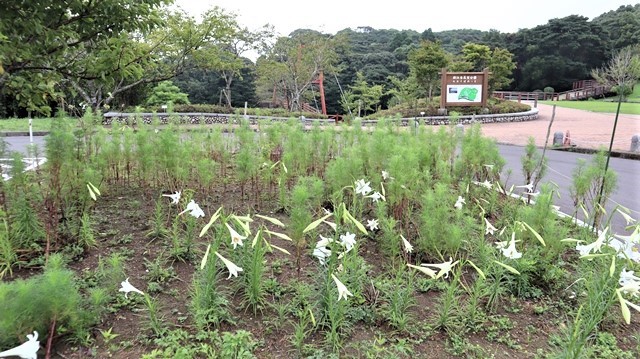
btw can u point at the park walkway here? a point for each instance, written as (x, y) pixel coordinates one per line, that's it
(587, 129)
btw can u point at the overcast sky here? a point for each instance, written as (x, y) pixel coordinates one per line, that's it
(330, 16)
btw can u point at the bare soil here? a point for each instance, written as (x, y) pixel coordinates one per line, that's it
(126, 212)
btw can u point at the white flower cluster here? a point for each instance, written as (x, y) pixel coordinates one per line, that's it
(322, 250)
(364, 188)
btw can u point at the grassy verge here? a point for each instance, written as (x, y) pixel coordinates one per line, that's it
(635, 96)
(22, 124)
(598, 106)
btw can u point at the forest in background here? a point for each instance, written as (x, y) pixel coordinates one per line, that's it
(551, 55)
(208, 62)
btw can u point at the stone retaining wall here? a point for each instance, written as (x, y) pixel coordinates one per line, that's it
(217, 118)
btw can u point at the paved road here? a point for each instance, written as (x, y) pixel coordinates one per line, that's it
(561, 166)
(21, 144)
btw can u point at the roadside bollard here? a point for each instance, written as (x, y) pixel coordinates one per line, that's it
(558, 138)
(635, 143)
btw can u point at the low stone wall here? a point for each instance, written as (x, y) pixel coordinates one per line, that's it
(186, 118)
(465, 120)
(217, 118)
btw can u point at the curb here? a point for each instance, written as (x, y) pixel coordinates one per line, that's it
(23, 133)
(614, 153)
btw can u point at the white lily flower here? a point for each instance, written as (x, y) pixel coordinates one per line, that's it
(26, 350)
(511, 251)
(501, 244)
(626, 217)
(431, 273)
(322, 253)
(627, 246)
(627, 276)
(385, 175)
(343, 292)
(175, 198)
(236, 238)
(459, 202)
(348, 240)
(408, 248)
(528, 187)
(195, 209)
(376, 196)
(362, 187)
(232, 267)
(486, 184)
(445, 267)
(372, 224)
(490, 229)
(632, 288)
(332, 225)
(126, 287)
(595, 246)
(324, 241)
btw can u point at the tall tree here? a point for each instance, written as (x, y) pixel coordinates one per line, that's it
(558, 53)
(501, 66)
(362, 96)
(45, 41)
(621, 26)
(622, 71)
(404, 91)
(477, 55)
(115, 65)
(294, 63)
(499, 62)
(224, 52)
(426, 63)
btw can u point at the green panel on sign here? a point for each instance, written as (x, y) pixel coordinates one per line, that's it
(468, 93)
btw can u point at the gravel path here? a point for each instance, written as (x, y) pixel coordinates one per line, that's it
(587, 129)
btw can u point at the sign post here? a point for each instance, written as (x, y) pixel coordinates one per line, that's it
(464, 88)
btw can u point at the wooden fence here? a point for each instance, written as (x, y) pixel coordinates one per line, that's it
(581, 90)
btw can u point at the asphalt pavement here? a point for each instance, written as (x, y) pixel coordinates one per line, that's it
(561, 166)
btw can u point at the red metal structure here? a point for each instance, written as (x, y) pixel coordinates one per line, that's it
(320, 82)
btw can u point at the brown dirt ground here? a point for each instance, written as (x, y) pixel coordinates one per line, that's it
(127, 212)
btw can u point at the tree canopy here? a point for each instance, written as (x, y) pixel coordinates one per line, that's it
(97, 53)
(46, 42)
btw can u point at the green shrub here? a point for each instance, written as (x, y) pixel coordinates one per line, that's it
(33, 304)
(494, 105)
(165, 93)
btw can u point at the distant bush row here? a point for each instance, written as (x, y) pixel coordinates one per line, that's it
(210, 108)
(494, 106)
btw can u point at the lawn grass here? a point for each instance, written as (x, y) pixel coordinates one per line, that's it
(635, 96)
(598, 106)
(22, 124)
